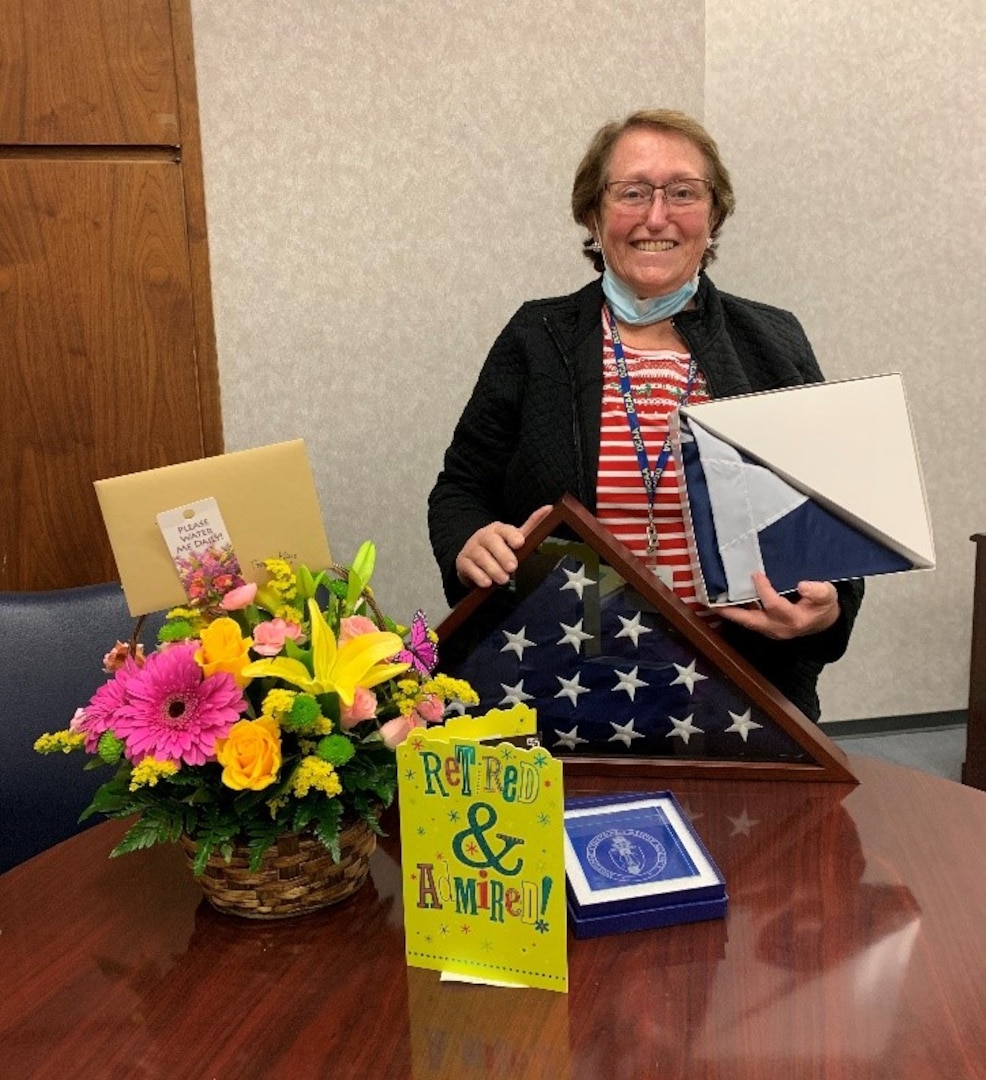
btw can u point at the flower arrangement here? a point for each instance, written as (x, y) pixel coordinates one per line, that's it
(263, 710)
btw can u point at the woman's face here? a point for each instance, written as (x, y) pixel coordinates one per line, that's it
(655, 250)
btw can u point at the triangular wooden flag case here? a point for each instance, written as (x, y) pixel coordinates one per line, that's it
(624, 677)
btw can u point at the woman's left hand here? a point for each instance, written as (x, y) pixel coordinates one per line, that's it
(778, 618)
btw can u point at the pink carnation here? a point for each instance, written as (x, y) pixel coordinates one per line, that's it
(364, 707)
(240, 597)
(269, 637)
(354, 626)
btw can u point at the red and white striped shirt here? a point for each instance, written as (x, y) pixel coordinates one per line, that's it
(659, 380)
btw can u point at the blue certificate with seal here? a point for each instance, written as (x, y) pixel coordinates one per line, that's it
(634, 861)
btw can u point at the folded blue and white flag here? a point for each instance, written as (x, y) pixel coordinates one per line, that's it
(814, 483)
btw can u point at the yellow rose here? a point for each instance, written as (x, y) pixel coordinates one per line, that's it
(250, 754)
(224, 648)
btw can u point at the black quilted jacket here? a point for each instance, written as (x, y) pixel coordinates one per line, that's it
(530, 433)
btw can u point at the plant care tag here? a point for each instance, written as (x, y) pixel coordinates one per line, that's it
(201, 550)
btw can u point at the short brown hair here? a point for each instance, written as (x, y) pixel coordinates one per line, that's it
(590, 176)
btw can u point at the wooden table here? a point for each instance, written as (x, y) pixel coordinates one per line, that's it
(854, 946)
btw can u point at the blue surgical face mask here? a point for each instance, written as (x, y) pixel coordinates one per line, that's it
(635, 311)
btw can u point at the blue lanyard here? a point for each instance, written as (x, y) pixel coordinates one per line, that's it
(651, 476)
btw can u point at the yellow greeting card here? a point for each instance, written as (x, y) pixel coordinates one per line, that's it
(518, 724)
(482, 848)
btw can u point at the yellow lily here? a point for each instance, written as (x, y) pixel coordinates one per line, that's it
(338, 668)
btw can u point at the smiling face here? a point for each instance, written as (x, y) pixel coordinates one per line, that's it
(652, 250)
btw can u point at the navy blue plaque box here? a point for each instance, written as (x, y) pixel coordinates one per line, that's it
(633, 862)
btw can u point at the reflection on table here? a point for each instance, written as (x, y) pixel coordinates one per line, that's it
(854, 946)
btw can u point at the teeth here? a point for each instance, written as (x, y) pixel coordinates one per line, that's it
(654, 245)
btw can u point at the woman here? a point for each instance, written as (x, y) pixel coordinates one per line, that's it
(548, 414)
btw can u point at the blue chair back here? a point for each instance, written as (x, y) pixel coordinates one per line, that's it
(51, 651)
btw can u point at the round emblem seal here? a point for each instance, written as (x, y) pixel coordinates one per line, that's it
(626, 855)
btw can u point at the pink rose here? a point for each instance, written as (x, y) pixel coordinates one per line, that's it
(355, 625)
(269, 637)
(240, 597)
(430, 709)
(395, 731)
(364, 707)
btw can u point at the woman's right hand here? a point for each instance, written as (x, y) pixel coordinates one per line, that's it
(487, 557)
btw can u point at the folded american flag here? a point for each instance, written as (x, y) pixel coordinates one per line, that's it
(606, 673)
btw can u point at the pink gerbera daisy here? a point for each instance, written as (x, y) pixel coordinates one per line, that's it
(103, 710)
(172, 713)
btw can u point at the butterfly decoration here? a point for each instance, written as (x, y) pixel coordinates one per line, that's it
(419, 650)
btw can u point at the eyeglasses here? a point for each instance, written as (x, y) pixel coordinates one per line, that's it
(677, 194)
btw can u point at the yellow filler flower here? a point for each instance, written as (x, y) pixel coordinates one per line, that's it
(337, 668)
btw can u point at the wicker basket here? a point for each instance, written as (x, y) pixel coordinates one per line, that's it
(297, 875)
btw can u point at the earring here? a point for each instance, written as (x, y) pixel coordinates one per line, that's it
(709, 242)
(595, 247)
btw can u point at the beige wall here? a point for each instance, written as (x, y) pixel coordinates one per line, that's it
(387, 181)
(855, 137)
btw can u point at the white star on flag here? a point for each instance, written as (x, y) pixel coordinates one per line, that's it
(627, 680)
(574, 636)
(687, 676)
(577, 581)
(569, 739)
(683, 729)
(571, 688)
(516, 642)
(632, 628)
(514, 695)
(743, 724)
(624, 733)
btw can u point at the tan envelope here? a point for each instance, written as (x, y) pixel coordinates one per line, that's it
(267, 499)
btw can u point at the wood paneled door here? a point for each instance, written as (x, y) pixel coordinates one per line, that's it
(107, 348)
